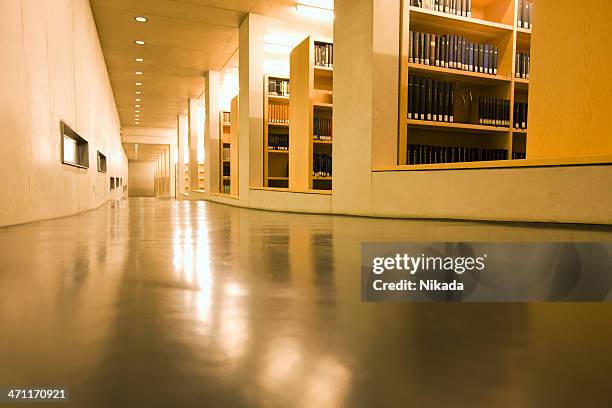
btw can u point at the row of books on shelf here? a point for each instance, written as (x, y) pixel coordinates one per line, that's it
(226, 117)
(278, 87)
(452, 51)
(493, 112)
(322, 128)
(524, 13)
(227, 189)
(523, 63)
(322, 165)
(278, 113)
(455, 7)
(323, 54)
(519, 156)
(226, 153)
(424, 154)
(278, 142)
(226, 171)
(430, 99)
(520, 115)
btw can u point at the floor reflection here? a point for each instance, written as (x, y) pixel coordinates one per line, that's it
(162, 303)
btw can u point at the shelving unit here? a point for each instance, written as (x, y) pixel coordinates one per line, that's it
(492, 22)
(200, 176)
(225, 127)
(311, 100)
(276, 128)
(186, 178)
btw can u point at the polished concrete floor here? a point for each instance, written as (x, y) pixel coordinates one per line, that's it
(157, 303)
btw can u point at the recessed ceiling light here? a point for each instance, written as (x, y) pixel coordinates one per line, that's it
(138, 72)
(139, 59)
(137, 106)
(138, 92)
(139, 42)
(141, 19)
(138, 83)
(136, 111)
(137, 99)
(317, 10)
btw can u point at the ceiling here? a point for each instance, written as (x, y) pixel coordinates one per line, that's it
(143, 152)
(183, 39)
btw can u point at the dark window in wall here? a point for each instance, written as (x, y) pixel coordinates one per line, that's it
(112, 183)
(101, 162)
(75, 149)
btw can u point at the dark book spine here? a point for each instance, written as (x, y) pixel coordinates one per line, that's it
(410, 48)
(451, 106)
(426, 48)
(422, 99)
(495, 52)
(434, 100)
(428, 102)
(410, 93)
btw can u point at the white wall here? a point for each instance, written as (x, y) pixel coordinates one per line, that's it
(142, 178)
(52, 69)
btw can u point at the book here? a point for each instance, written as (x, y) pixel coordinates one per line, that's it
(436, 154)
(323, 54)
(493, 112)
(522, 61)
(430, 99)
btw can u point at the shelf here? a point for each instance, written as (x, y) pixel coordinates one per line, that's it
(322, 141)
(523, 38)
(500, 164)
(449, 73)
(278, 124)
(454, 126)
(520, 131)
(443, 21)
(227, 124)
(278, 151)
(526, 31)
(278, 178)
(323, 71)
(278, 97)
(322, 105)
(315, 178)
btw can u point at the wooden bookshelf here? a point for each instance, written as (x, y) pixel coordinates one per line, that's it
(492, 22)
(228, 150)
(311, 99)
(201, 176)
(276, 125)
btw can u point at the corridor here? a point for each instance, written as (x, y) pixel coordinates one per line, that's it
(164, 303)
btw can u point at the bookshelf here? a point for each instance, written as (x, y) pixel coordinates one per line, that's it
(276, 131)
(311, 113)
(186, 176)
(492, 25)
(200, 176)
(225, 127)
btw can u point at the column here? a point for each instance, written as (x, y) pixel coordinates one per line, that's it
(251, 104)
(193, 143)
(366, 52)
(212, 162)
(181, 140)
